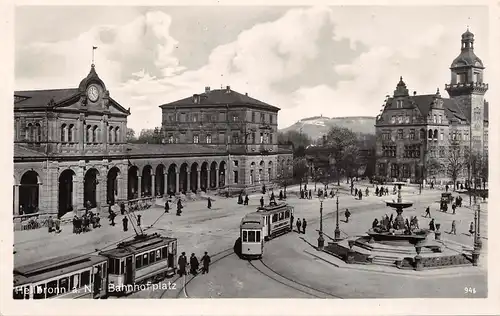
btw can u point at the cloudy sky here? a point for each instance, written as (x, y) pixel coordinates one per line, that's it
(334, 61)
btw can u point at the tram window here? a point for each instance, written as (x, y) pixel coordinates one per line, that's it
(152, 257)
(39, 291)
(245, 237)
(287, 214)
(85, 278)
(73, 281)
(64, 285)
(257, 238)
(138, 262)
(122, 266)
(145, 259)
(251, 236)
(52, 289)
(158, 254)
(275, 218)
(281, 216)
(164, 252)
(114, 266)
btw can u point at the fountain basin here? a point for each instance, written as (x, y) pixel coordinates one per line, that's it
(400, 205)
(398, 239)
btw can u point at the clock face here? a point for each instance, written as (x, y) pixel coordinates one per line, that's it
(93, 93)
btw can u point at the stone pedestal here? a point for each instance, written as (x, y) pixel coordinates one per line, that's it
(418, 259)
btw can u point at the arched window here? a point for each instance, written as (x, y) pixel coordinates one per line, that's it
(63, 133)
(422, 134)
(110, 135)
(434, 118)
(430, 134)
(89, 134)
(29, 132)
(435, 134)
(94, 134)
(38, 132)
(117, 135)
(70, 132)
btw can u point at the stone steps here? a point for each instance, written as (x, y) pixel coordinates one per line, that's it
(384, 261)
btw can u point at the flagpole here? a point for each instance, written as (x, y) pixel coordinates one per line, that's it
(93, 49)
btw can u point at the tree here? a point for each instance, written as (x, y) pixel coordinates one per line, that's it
(131, 135)
(454, 163)
(432, 167)
(149, 136)
(299, 141)
(342, 144)
(300, 169)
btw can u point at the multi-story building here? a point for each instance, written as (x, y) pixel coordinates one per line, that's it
(415, 131)
(70, 149)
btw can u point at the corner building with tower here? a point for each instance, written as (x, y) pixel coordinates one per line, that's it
(70, 148)
(414, 131)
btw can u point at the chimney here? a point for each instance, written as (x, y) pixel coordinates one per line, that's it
(414, 93)
(207, 89)
(228, 89)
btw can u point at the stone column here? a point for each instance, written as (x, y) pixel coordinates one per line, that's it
(177, 182)
(198, 180)
(74, 195)
(216, 178)
(99, 191)
(153, 188)
(139, 186)
(188, 182)
(165, 183)
(16, 199)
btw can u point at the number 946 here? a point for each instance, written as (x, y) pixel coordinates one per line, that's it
(469, 290)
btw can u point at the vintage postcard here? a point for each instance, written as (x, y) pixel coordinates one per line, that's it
(328, 151)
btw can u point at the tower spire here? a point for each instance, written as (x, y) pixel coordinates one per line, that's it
(93, 49)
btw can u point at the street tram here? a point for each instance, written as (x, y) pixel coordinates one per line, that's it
(69, 276)
(266, 223)
(146, 258)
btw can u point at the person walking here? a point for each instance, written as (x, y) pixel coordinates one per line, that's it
(453, 227)
(304, 225)
(310, 194)
(360, 195)
(471, 228)
(125, 223)
(138, 220)
(206, 263)
(299, 224)
(209, 203)
(182, 262)
(179, 207)
(57, 224)
(427, 212)
(261, 201)
(246, 199)
(432, 226)
(50, 224)
(453, 207)
(347, 215)
(122, 208)
(167, 207)
(193, 262)
(112, 216)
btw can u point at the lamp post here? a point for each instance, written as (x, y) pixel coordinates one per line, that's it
(479, 243)
(321, 239)
(337, 229)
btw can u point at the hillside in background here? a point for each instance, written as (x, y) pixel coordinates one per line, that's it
(315, 127)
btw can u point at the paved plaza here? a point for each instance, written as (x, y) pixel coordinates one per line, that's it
(291, 256)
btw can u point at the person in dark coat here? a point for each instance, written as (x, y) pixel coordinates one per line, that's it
(261, 201)
(240, 199)
(375, 223)
(299, 224)
(179, 207)
(360, 195)
(167, 207)
(432, 226)
(182, 264)
(367, 191)
(376, 191)
(347, 215)
(310, 194)
(355, 191)
(427, 212)
(122, 208)
(209, 204)
(112, 216)
(291, 222)
(57, 224)
(50, 224)
(205, 260)
(139, 220)
(246, 199)
(280, 197)
(453, 207)
(74, 224)
(125, 223)
(304, 225)
(193, 262)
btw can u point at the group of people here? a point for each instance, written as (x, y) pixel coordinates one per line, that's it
(359, 193)
(382, 191)
(54, 225)
(240, 199)
(86, 222)
(301, 226)
(387, 223)
(193, 264)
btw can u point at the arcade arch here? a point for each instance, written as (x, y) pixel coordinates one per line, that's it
(29, 195)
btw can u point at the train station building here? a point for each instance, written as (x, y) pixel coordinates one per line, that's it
(70, 148)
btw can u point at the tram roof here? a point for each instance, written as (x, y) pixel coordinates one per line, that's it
(52, 267)
(138, 245)
(272, 208)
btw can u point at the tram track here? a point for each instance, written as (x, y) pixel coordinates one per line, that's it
(272, 274)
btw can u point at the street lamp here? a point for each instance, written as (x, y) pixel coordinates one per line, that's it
(321, 239)
(337, 229)
(479, 243)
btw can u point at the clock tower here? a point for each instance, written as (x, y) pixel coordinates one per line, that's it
(467, 88)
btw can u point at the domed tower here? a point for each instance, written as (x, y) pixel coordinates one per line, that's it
(467, 88)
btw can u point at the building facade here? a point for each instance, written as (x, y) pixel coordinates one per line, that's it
(70, 149)
(416, 132)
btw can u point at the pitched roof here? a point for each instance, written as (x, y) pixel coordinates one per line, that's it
(37, 98)
(22, 151)
(173, 149)
(221, 97)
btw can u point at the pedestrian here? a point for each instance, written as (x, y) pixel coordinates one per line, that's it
(427, 212)
(376, 191)
(347, 215)
(366, 192)
(193, 262)
(182, 264)
(50, 224)
(453, 228)
(112, 216)
(471, 228)
(122, 208)
(453, 207)
(291, 222)
(304, 225)
(446, 187)
(262, 201)
(263, 189)
(206, 263)
(299, 223)
(179, 207)
(75, 219)
(57, 224)
(355, 191)
(97, 221)
(432, 226)
(138, 220)
(332, 194)
(360, 194)
(240, 198)
(246, 199)
(125, 223)
(167, 207)
(78, 225)
(386, 191)
(280, 197)
(209, 203)
(310, 194)
(375, 223)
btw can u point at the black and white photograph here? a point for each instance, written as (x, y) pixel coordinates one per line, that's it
(219, 151)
